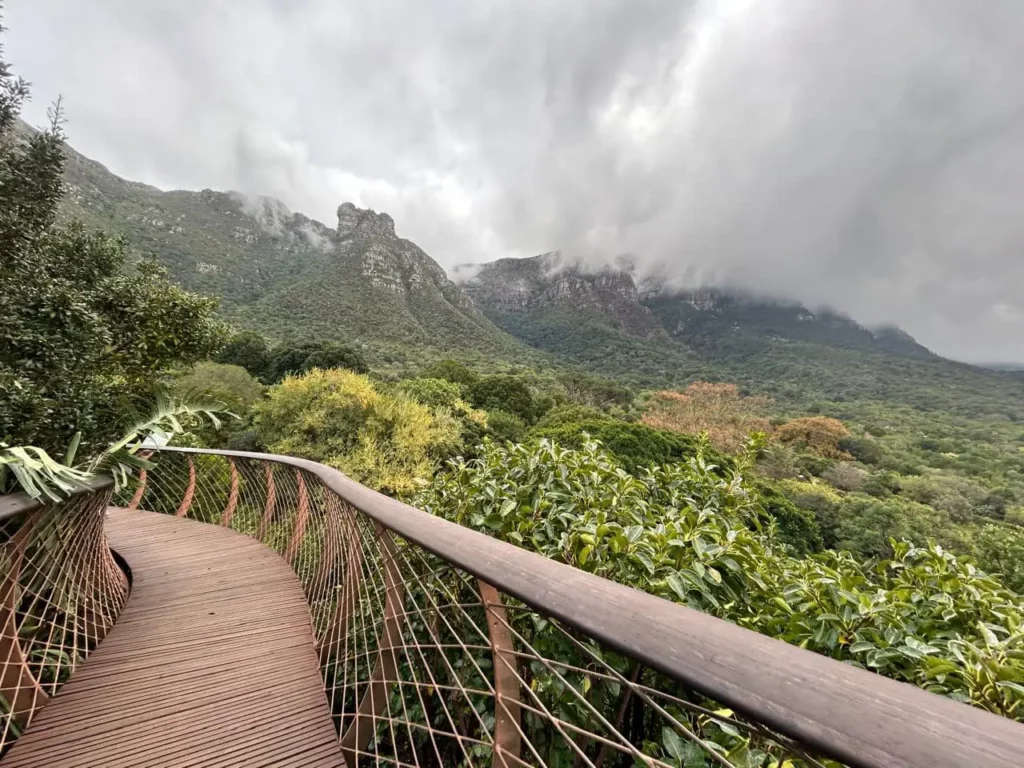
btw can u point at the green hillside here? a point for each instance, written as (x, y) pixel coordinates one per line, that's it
(288, 276)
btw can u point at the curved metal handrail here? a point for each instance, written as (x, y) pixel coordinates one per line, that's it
(831, 708)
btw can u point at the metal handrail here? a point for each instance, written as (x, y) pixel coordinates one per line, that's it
(849, 714)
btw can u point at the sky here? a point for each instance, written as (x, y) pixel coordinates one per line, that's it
(867, 155)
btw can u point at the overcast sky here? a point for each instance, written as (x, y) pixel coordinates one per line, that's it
(867, 154)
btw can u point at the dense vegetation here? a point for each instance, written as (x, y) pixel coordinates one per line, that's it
(84, 336)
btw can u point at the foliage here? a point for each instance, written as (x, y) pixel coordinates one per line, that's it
(1001, 549)
(595, 391)
(445, 401)
(570, 413)
(845, 476)
(340, 418)
(820, 434)
(507, 393)
(453, 371)
(504, 426)
(719, 410)
(688, 534)
(33, 471)
(247, 349)
(634, 445)
(299, 358)
(436, 393)
(231, 385)
(83, 335)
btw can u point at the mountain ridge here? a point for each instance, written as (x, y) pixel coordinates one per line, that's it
(291, 277)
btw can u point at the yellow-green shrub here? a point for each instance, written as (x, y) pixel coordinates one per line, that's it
(386, 440)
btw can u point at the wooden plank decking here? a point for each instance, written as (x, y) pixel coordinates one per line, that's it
(210, 664)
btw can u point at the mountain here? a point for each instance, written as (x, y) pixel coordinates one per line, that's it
(285, 274)
(292, 277)
(652, 334)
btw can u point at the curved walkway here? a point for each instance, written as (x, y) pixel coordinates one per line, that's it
(210, 664)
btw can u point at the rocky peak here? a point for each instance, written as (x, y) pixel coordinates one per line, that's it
(522, 285)
(364, 222)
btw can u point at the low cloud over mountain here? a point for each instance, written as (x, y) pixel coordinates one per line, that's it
(866, 155)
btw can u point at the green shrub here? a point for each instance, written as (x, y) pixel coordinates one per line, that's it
(338, 417)
(691, 535)
(503, 426)
(635, 445)
(507, 393)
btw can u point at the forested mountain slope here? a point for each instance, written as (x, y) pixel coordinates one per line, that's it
(285, 274)
(652, 334)
(291, 277)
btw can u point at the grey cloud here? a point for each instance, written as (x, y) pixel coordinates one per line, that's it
(867, 155)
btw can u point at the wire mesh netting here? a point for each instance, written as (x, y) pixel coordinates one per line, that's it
(62, 591)
(425, 665)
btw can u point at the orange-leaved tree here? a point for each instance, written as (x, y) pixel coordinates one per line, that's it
(719, 409)
(821, 434)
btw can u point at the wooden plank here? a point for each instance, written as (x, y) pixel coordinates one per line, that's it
(212, 662)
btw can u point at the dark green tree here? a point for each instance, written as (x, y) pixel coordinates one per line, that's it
(506, 393)
(84, 335)
(249, 350)
(453, 371)
(296, 359)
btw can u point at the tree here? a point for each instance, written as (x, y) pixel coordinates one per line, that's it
(727, 417)
(586, 389)
(299, 358)
(339, 417)
(231, 385)
(453, 371)
(506, 393)
(247, 349)
(84, 335)
(820, 434)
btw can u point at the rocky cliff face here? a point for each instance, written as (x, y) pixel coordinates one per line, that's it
(523, 285)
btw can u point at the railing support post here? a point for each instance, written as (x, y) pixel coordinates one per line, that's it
(190, 491)
(385, 671)
(507, 739)
(229, 510)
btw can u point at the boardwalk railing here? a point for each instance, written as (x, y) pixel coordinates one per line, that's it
(440, 646)
(61, 591)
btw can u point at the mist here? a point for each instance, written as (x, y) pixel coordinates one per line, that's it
(866, 155)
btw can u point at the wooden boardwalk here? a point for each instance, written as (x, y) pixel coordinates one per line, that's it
(210, 664)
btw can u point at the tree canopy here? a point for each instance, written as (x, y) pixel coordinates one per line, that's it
(84, 333)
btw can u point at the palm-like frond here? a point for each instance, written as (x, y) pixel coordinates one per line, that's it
(41, 476)
(38, 474)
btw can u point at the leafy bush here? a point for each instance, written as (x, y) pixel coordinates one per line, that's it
(688, 534)
(231, 385)
(433, 392)
(634, 445)
(862, 449)
(845, 476)
(247, 349)
(299, 358)
(595, 391)
(507, 393)
(338, 417)
(503, 426)
(453, 371)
